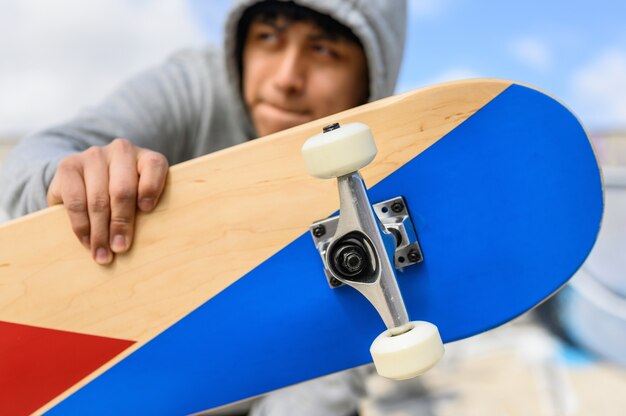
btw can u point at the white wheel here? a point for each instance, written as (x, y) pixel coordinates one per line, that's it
(409, 354)
(339, 152)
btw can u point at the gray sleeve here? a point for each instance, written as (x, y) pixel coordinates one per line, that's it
(158, 109)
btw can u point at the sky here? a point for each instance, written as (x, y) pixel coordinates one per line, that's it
(58, 57)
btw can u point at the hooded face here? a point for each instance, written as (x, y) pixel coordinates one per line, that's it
(283, 81)
(294, 72)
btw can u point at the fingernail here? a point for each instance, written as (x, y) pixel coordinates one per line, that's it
(103, 256)
(85, 241)
(118, 243)
(146, 204)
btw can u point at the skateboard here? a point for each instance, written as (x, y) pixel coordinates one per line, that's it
(461, 206)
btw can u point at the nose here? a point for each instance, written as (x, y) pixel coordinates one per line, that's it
(290, 77)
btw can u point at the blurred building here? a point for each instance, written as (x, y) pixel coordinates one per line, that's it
(610, 147)
(6, 143)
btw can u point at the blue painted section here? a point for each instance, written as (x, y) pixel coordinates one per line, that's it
(507, 206)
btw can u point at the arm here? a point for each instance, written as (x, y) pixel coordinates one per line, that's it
(80, 163)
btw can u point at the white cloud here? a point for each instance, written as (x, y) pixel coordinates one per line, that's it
(599, 90)
(59, 56)
(419, 9)
(451, 74)
(532, 52)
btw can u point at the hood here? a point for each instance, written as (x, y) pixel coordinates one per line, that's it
(380, 25)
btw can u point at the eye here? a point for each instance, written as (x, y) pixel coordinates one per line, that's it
(266, 36)
(324, 50)
(263, 34)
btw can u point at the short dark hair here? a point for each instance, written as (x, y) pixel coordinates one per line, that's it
(270, 10)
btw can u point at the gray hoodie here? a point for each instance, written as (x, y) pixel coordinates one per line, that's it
(189, 106)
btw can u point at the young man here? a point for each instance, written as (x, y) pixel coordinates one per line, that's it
(284, 63)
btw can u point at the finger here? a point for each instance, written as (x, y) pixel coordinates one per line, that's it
(68, 188)
(123, 182)
(152, 168)
(96, 174)
(54, 190)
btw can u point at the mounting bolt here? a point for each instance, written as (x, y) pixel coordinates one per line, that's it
(413, 256)
(331, 127)
(397, 207)
(334, 282)
(319, 231)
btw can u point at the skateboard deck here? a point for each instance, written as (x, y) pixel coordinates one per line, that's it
(223, 296)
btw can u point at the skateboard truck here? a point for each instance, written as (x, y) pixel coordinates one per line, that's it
(361, 250)
(394, 217)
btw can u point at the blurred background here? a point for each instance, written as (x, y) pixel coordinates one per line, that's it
(58, 57)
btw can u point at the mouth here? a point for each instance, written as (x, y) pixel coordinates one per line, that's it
(280, 116)
(285, 109)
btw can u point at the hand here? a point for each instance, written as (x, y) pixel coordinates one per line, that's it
(102, 188)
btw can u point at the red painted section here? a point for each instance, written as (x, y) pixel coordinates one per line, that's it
(37, 364)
